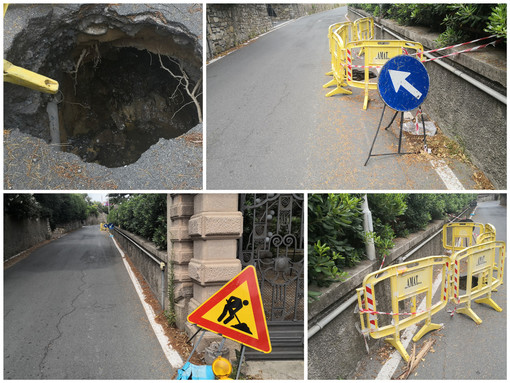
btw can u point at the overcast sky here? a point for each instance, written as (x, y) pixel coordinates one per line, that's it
(99, 197)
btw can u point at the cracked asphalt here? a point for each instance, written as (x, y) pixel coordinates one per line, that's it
(71, 312)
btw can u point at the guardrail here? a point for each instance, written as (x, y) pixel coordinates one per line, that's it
(154, 258)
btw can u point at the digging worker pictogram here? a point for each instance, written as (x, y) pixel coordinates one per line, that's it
(233, 305)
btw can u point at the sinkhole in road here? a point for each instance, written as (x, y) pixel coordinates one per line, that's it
(121, 101)
(123, 87)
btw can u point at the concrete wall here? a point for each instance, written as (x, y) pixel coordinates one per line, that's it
(339, 345)
(146, 266)
(22, 234)
(463, 112)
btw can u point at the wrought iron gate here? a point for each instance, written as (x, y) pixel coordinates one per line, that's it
(273, 242)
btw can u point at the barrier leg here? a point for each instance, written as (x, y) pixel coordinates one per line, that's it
(470, 313)
(427, 327)
(330, 73)
(338, 90)
(489, 302)
(397, 344)
(330, 83)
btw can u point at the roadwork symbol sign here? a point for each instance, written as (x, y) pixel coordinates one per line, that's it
(403, 83)
(236, 312)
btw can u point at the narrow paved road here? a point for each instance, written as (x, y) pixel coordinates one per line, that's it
(71, 312)
(462, 349)
(270, 126)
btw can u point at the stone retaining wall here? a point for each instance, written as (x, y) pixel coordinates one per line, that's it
(22, 234)
(229, 25)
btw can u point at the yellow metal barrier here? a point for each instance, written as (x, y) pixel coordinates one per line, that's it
(20, 76)
(459, 235)
(407, 281)
(480, 261)
(363, 29)
(377, 53)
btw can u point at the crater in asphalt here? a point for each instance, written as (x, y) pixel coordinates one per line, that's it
(115, 99)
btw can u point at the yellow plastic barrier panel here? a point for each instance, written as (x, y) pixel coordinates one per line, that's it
(377, 53)
(407, 281)
(480, 262)
(103, 227)
(332, 28)
(340, 36)
(459, 235)
(488, 235)
(363, 29)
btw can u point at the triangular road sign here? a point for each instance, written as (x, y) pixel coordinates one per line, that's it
(236, 312)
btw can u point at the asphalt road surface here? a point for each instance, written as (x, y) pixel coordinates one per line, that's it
(71, 312)
(270, 126)
(463, 349)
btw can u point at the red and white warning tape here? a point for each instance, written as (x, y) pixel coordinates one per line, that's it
(464, 51)
(383, 313)
(459, 45)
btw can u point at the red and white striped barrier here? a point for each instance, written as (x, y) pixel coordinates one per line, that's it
(370, 303)
(349, 65)
(456, 282)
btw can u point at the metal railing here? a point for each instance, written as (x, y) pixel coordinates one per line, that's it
(154, 258)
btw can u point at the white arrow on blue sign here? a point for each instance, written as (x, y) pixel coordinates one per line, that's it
(403, 83)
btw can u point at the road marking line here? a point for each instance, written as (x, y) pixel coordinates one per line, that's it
(447, 176)
(388, 369)
(173, 356)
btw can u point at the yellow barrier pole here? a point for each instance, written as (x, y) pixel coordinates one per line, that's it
(429, 326)
(20, 76)
(395, 340)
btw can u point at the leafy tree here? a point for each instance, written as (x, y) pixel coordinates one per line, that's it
(335, 231)
(21, 206)
(142, 214)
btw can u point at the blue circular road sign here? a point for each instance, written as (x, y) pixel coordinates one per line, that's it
(403, 83)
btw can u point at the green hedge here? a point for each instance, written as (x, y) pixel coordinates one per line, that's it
(456, 22)
(142, 214)
(336, 240)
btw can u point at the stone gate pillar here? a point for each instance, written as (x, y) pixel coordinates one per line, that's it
(214, 228)
(180, 252)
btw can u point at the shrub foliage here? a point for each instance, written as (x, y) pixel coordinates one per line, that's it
(336, 239)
